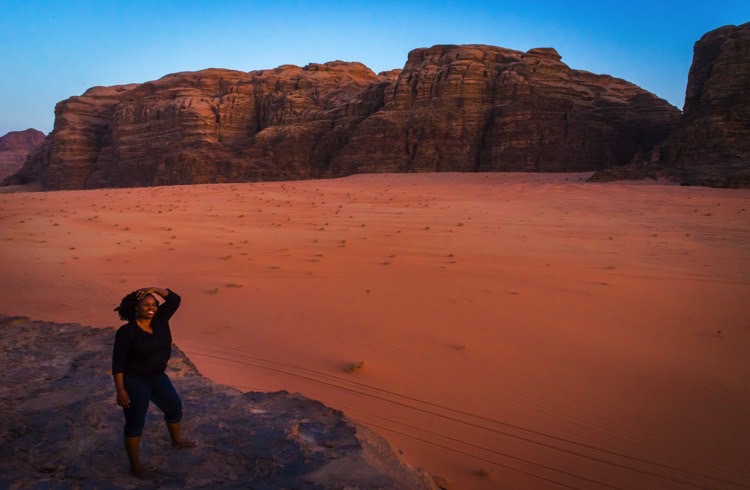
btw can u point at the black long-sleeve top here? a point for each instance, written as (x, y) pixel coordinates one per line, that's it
(140, 353)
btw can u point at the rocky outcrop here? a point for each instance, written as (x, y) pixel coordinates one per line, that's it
(451, 108)
(712, 144)
(483, 108)
(62, 429)
(15, 147)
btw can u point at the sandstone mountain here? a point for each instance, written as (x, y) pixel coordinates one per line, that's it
(712, 144)
(61, 427)
(451, 108)
(15, 147)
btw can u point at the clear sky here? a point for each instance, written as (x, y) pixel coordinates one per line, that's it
(53, 49)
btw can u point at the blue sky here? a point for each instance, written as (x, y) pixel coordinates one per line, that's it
(51, 50)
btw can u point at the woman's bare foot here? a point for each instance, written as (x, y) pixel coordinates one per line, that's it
(183, 444)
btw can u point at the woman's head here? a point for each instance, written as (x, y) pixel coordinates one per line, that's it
(131, 307)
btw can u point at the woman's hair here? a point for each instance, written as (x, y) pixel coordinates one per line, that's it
(126, 310)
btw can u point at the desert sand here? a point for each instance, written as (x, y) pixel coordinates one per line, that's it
(500, 330)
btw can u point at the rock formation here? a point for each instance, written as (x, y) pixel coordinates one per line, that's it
(712, 144)
(61, 427)
(15, 147)
(482, 108)
(451, 108)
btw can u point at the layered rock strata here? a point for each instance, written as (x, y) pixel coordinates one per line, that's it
(711, 146)
(61, 427)
(451, 108)
(15, 147)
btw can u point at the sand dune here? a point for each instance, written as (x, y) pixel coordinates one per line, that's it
(501, 330)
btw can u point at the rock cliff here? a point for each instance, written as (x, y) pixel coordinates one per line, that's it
(711, 146)
(61, 427)
(484, 108)
(15, 147)
(451, 108)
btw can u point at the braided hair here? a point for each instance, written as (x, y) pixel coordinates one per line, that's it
(126, 310)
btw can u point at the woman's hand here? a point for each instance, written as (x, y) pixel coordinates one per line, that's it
(141, 293)
(123, 399)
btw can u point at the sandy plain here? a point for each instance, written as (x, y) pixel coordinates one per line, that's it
(500, 330)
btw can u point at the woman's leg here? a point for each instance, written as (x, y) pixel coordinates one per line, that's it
(133, 447)
(139, 392)
(166, 398)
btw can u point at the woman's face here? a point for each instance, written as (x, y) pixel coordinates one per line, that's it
(146, 307)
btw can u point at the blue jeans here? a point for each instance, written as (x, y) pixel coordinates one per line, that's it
(140, 391)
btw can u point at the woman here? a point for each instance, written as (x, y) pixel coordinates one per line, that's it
(139, 360)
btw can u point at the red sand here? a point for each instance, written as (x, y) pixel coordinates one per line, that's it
(514, 330)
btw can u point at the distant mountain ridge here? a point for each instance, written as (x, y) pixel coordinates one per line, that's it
(451, 108)
(15, 147)
(462, 108)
